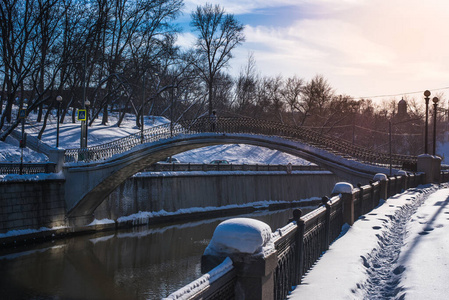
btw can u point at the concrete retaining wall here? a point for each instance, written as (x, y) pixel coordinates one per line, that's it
(31, 204)
(202, 189)
(36, 204)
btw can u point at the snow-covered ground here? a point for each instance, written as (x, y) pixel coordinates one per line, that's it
(399, 250)
(69, 137)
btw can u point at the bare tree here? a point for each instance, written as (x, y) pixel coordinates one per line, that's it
(246, 85)
(219, 34)
(315, 95)
(291, 94)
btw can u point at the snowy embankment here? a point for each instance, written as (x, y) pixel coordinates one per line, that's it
(399, 250)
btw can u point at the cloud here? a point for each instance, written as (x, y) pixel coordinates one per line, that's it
(363, 47)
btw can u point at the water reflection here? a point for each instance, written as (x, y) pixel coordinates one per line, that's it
(140, 263)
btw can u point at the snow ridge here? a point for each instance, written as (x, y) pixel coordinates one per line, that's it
(384, 272)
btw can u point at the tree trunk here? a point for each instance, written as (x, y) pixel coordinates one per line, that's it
(39, 113)
(104, 121)
(210, 86)
(41, 132)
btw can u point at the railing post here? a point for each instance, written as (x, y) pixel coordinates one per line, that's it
(57, 156)
(373, 200)
(426, 165)
(382, 178)
(297, 213)
(325, 201)
(347, 196)
(300, 242)
(254, 264)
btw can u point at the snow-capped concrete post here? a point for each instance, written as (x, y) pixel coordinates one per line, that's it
(436, 169)
(425, 165)
(404, 179)
(248, 243)
(57, 156)
(347, 196)
(382, 178)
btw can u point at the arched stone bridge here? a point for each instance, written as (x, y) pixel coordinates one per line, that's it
(93, 173)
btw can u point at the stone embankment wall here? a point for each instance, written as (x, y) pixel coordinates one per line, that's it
(183, 190)
(31, 204)
(37, 204)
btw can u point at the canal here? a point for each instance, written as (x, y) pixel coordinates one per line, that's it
(146, 262)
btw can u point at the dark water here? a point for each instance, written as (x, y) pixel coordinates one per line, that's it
(141, 263)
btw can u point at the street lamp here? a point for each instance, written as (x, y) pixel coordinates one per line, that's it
(87, 104)
(426, 94)
(435, 104)
(59, 99)
(143, 106)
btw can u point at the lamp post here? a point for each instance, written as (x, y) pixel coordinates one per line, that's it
(426, 94)
(143, 106)
(86, 104)
(59, 99)
(435, 105)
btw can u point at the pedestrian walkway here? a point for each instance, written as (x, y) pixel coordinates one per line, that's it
(400, 250)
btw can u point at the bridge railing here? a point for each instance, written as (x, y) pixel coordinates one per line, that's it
(240, 125)
(300, 243)
(27, 168)
(189, 167)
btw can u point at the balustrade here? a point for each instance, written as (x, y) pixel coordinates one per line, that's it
(300, 243)
(243, 126)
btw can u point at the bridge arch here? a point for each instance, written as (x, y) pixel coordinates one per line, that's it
(88, 184)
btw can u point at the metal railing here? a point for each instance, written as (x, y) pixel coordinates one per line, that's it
(27, 168)
(299, 244)
(191, 167)
(244, 126)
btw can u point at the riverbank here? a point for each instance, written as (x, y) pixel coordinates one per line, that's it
(14, 238)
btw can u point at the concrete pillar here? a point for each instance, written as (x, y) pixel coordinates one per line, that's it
(404, 179)
(436, 169)
(382, 178)
(57, 156)
(426, 165)
(255, 276)
(347, 195)
(248, 243)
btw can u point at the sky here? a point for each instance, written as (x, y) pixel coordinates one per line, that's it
(364, 48)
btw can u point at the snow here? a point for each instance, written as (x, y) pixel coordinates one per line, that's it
(342, 187)
(399, 250)
(31, 177)
(27, 231)
(240, 235)
(380, 177)
(204, 281)
(101, 222)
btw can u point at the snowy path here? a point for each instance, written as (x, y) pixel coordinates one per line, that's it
(398, 251)
(384, 275)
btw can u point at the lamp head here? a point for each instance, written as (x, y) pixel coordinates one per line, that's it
(87, 103)
(59, 99)
(435, 100)
(427, 93)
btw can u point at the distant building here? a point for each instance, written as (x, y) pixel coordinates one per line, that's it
(402, 110)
